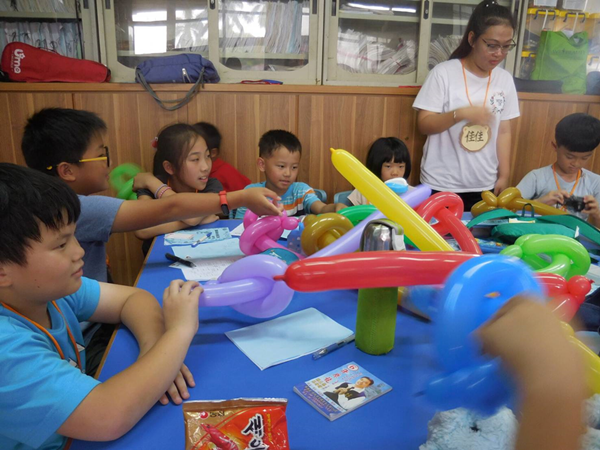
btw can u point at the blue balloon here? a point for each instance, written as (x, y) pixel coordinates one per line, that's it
(473, 293)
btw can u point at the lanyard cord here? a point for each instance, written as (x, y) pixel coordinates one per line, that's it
(467, 87)
(558, 184)
(47, 333)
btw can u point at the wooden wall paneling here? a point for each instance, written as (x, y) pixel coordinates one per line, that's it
(411, 136)
(326, 121)
(594, 164)
(17, 108)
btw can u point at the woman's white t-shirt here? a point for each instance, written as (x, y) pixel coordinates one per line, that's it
(446, 166)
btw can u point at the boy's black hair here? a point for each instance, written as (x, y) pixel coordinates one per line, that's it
(174, 144)
(29, 198)
(272, 140)
(578, 132)
(385, 150)
(210, 133)
(486, 14)
(55, 135)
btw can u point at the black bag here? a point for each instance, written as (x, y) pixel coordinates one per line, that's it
(184, 68)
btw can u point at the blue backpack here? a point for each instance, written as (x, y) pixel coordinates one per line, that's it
(184, 68)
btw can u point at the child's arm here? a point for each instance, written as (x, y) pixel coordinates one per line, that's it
(115, 406)
(318, 207)
(134, 215)
(548, 369)
(430, 122)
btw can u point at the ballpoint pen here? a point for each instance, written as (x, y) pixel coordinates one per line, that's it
(177, 259)
(333, 347)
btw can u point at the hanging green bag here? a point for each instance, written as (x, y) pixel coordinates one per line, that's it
(563, 58)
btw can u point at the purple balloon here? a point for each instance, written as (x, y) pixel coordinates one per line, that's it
(350, 242)
(248, 287)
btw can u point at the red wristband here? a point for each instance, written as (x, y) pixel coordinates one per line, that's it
(224, 204)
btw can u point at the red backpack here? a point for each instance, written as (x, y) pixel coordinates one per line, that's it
(23, 62)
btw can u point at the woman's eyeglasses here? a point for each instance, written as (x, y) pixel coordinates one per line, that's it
(493, 48)
(99, 158)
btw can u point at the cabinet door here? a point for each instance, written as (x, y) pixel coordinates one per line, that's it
(136, 30)
(445, 27)
(273, 39)
(63, 26)
(372, 42)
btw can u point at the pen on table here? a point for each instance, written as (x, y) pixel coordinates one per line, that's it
(174, 258)
(333, 347)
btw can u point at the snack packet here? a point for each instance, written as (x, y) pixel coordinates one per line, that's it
(238, 424)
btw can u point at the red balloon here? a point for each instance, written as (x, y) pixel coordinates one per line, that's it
(372, 270)
(447, 208)
(566, 297)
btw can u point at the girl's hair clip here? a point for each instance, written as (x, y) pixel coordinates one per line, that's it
(154, 142)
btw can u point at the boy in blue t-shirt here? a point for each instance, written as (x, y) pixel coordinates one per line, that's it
(45, 395)
(279, 159)
(70, 144)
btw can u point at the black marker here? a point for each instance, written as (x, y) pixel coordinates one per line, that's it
(177, 259)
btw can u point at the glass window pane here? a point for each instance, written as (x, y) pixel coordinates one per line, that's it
(158, 27)
(264, 35)
(378, 37)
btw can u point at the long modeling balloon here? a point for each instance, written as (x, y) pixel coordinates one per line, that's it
(372, 270)
(323, 230)
(248, 286)
(386, 201)
(121, 180)
(470, 379)
(350, 242)
(262, 234)
(510, 198)
(569, 256)
(448, 208)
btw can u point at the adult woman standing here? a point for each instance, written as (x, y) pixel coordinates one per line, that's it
(465, 106)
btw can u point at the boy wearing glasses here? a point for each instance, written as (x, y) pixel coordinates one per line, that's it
(71, 144)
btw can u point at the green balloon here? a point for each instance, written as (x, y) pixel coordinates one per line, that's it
(121, 180)
(357, 213)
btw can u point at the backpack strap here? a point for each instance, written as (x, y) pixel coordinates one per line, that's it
(178, 102)
(494, 214)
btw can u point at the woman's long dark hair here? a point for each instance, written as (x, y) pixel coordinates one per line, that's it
(487, 14)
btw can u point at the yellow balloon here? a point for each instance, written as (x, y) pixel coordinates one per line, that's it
(510, 198)
(591, 360)
(390, 204)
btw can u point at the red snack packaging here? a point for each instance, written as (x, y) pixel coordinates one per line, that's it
(238, 424)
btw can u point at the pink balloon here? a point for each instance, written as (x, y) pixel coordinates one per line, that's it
(262, 234)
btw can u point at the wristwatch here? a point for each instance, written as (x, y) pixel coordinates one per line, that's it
(224, 204)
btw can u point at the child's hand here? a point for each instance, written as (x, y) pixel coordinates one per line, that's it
(180, 306)
(531, 342)
(178, 391)
(261, 201)
(145, 180)
(340, 206)
(591, 206)
(477, 115)
(554, 197)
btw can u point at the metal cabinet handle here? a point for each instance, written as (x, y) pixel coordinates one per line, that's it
(333, 8)
(426, 10)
